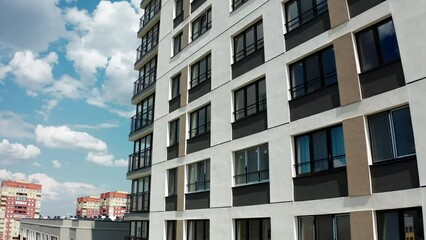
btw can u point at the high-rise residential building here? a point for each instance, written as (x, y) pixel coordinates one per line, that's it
(113, 204)
(19, 200)
(293, 119)
(88, 206)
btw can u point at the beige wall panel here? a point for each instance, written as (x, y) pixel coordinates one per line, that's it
(339, 13)
(186, 11)
(181, 188)
(362, 225)
(182, 135)
(184, 86)
(347, 75)
(179, 229)
(358, 172)
(185, 35)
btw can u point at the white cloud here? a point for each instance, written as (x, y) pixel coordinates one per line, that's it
(36, 164)
(97, 126)
(14, 126)
(10, 152)
(4, 70)
(65, 138)
(47, 108)
(56, 164)
(105, 159)
(35, 24)
(66, 87)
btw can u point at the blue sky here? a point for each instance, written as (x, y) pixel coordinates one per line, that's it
(66, 80)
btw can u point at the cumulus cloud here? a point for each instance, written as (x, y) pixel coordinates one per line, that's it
(56, 164)
(10, 152)
(97, 126)
(47, 108)
(35, 24)
(36, 164)
(65, 138)
(66, 87)
(105, 159)
(14, 126)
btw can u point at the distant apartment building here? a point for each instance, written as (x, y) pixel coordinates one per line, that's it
(88, 206)
(113, 204)
(19, 199)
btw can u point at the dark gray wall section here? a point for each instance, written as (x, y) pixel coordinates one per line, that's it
(172, 151)
(250, 125)
(196, 4)
(382, 79)
(394, 175)
(197, 200)
(328, 184)
(199, 90)
(171, 203)
(178, 19)
(313, 103)
(251, 194)
(174, 104)
(359, 6)
(307, 31)
(198, 143)
(248, 63)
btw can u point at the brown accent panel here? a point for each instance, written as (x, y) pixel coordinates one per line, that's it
(184, 86)
(181, 188)
(339, 12)
(362, 225)
(179, 229)
(185, 35)
(356, 157)
(182, 135)
(347, 74)
(186, 5)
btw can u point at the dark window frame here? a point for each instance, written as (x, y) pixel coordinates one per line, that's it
(177, 43)
(204, 224)
(172, 178)
(147, 76)
(312, 161)
(151, 10)
(174, 139)
(300, 20)
(175, 80)
(179, 10)
(141, 155)
(171, 224)
(202, 28)
(203, 185)
(322, 78)
(262, 175)
(250, 221)
(144, 116)
(316, 224)
(237, 3)
(134, 234)
(195, 127)
(149, 41)
(197, 79)
(257, 43)
(260, 105)
(137, 194)
(401, 228)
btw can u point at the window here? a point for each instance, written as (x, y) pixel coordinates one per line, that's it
(250, 100)
(178, 43)
(324, 227)
(140, 194)
(202, 24)
(151, 10)
(198, 230)
(147, 76)
(200, 121)
(178, 8)
(149, 41)
(248, 42)
(144, 114)
(377, 45)
(139, 229)
(201, 71)
(391, 134)
(400, 224)
(320, 150)
(141, 156)
(199, 176)
(171, 230)
(172, 182)
(253, 229)
(313, 73)
(252, 165)
(298, 12)
(174, 132)
(237, 3)
(175, 88)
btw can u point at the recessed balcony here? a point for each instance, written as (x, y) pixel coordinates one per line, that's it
(139, 160)
(145, 52)
(150, 17)
(144, 84)
(142, 120)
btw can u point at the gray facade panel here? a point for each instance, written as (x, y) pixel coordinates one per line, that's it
(174, 104)
(171, 203)
(251, 194)
(197, 200)
(198, 143)
(250, 125)
(248, 63)
(199, 90)
(357, 7)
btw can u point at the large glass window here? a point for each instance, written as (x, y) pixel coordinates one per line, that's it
(200, 121)
(391, 134)
(252, 165)
(149, 41)
(178, 43)
(151, 10)
(144, 114)
(171, 230)
(201, 71)
(174, 132)
(237, 3)
(199, 176)
(250, 99)
(139, 230)
(320, 150)
(175, 87)
(248, 42)
(299, 12)
(202, 24)
(172, 182)
(313, 72)
(253, 229)
(141, 156)
(147, 76)
(140, 194)
(398, 224)
(324, 227)
(198, 230)
(377, 45)
(178, 8)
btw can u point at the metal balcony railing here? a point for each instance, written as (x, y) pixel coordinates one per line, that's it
(139, 160)
(150, 11)
(142, 119)
(144, 81)
(138, 202)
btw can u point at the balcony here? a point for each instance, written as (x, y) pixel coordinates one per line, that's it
(142, 120)
(144, 82)
(140, 160)
(138, 202)
(143, 51)
(150, 13)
